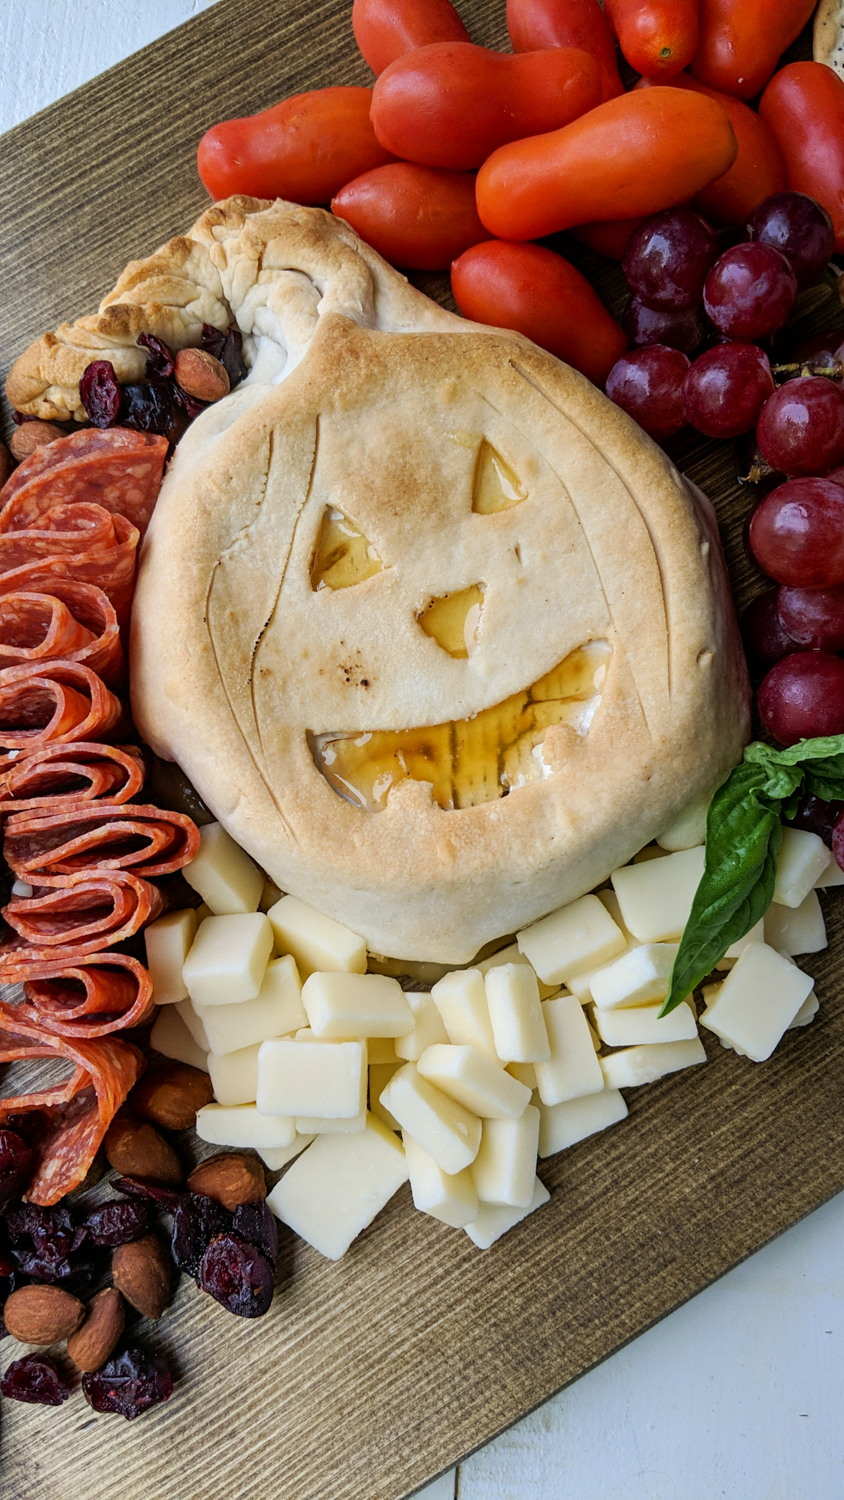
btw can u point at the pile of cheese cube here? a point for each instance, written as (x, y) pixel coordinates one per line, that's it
(519, 1056)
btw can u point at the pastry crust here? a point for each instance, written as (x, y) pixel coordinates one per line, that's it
(366, 397)
(828, 42)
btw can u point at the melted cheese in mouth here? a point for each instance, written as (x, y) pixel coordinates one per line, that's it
(467, 761)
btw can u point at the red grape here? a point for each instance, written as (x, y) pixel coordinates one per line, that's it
(798, 226)
(765, 640)
(836, 476)
(801, 426)
(647, 384)
(820, 349)
(813, 617)
(726, 389)
(750, 291)
(838, 842)
(667, 259)
(803, 696)
(797, 533)
(656, 325)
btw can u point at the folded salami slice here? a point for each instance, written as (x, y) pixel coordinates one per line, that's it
(71, 916)
(119, 469)
(54, 704)
(108, 836)
(81, 542)
(59, 778)
(80, 1109)
(108, 992)
(73, 622)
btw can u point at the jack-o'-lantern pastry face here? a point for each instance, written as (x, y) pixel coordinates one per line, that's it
(437, 633)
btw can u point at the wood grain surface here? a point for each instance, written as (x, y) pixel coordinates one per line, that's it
(371, 1376)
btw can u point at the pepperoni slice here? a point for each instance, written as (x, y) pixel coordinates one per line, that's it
(119, 469)
(108, 836)
(59, 778)
(80, 1110)
(76, 914)
(75, 622)
(106, 993)
(83, 543)
(58, 702)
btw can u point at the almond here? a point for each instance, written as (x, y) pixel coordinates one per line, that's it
(32, 435)
(7, 463)
(230, 1178)
(136, 1149)
(96, 1338)
(201, 375)
(142, 1271)
(171, 1095)
(42, 1314)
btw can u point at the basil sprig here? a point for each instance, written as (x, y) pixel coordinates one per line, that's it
(743, 837)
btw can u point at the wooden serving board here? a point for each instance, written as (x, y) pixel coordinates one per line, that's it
(370, 1377)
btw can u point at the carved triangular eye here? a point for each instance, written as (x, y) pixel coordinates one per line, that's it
(343, 556)
(496, 485)
(454, 620)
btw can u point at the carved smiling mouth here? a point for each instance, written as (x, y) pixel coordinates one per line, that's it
(467, 761)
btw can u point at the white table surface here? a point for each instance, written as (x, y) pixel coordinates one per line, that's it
(738, 1394)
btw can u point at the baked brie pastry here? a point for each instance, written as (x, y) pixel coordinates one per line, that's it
(437, 633)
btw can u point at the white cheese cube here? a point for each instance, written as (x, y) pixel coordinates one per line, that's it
(637, 1065)
(276, 1010)
(227, 879)
(796, 929)
(518, 1027)
(338, 1185)
(427, 1030)
(170, 1037)
(806, 1013)
(234, 1077)
(451, 1198)
(578, 937)
(475, 1081)
(637, 978)
(168, 942)
(609, 900)
(318, 944)
(342, 1005)
(656, 898)
(580, 984)
(833, 875)
(504, 1169)
(563, 1125)
(492, 1222)
(319, 1125)
(276, 1157)
(512, 954)
(736, 949)
(244, 1125)
(525, 1072)
(194, 1023)
(381, 1049)
(312, 1078)
(448, 1132)
(641, 1025)
(228, 959)
(269, 896)
(757, 1002)
(461, 1001)
(688, 828)
(379, 1076)
(803, 857)
(573, 1068)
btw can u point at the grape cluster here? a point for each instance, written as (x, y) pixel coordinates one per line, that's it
(698, 319)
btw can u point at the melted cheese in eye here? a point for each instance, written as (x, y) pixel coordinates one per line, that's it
(343, 556)
(453, 620)
(496, 485)
(468, 761)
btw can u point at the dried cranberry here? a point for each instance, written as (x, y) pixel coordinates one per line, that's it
(37, 1379)
(19, 417)
(227, 347)
(161, 361)
(100, 393)
(129, 1383)
(47, 1243)
(189, 404)
(15, 1166)
(139, 1187)
(237, 1276)
(147, 408)
(118, 1223)
(195, 1223)
(254, 1222)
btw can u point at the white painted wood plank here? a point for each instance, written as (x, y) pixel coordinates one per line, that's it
(441, 1489)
